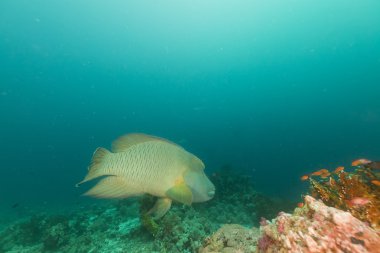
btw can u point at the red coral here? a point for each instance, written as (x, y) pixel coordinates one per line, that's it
(281, 227)
(264, 243)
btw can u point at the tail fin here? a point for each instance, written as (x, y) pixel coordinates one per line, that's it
(96, 168)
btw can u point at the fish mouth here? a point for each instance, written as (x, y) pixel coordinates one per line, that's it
(211, 193)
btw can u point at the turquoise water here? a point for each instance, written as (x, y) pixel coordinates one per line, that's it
(274, 89)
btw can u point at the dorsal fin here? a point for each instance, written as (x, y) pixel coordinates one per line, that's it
(126, 141)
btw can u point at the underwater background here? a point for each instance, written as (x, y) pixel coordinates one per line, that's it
(273, 89)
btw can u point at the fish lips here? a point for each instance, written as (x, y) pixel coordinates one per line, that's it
(202, 196)
(201, 187)
(203, 192)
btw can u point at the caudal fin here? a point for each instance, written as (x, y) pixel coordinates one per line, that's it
(96, 168)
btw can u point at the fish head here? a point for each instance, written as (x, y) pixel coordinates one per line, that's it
(201, 187)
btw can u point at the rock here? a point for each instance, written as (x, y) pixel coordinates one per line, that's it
(317, 228)
(231, 238)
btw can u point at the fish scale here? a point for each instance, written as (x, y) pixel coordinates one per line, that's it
(137, 170)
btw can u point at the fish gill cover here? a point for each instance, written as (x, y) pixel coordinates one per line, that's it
(274, 89)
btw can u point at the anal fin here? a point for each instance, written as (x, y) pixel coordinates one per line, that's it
(112, 187)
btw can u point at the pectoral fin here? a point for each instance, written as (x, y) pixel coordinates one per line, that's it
(160, 208)
(181, 193)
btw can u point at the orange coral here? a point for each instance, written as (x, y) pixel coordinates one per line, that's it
(351, 191)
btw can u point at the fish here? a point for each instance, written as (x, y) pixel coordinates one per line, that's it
(300, 204)
(339, 169)
(304, 177)
(15, 205)
(325, 174)
(359, 162)
(141, 164)
(320, 172)
(332, 181)
(373, 165)
(316, 173)
(375, 182)
(358, 201)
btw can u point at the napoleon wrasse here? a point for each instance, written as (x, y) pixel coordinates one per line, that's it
(143, 164)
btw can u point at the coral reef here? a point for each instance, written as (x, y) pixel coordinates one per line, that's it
(183, 230)
(355, 192)
(236, 196)
(125, 225)
(317, 228)
(231, 238)
(147, 221)
(92, 229)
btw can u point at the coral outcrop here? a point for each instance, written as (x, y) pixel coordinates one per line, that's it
(231, 238)
(317, 228)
